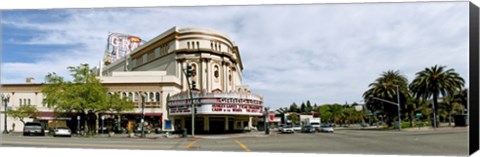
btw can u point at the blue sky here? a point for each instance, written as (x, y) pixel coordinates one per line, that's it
(326, 53)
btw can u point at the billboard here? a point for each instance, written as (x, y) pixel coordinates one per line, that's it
(119, 45)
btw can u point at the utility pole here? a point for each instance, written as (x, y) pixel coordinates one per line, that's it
(189, 73)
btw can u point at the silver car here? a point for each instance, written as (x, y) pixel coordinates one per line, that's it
(326, 128)
(62, 131)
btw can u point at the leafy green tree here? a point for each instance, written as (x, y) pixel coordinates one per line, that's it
(24, 111)
(333, 113)
(308, 107)
(302, 107)
(295, 118)
(325, 113)
(451, 105)
(84, 95)
(434, 82)
(385, 87)
(294, 108)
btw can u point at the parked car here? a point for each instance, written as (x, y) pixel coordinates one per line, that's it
(297, 128)
(62, 131)
(308, 129)
(287, 129)
(364, 125)
(315, 125)
(326, 128)
(281, 126)
(33, 128)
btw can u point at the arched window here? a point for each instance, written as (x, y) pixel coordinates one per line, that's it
(216, 72)
(152, 97)
(21, 102)
(29, 103)
(157, 96)
(135, 97)
(198, 45)
(188, 45)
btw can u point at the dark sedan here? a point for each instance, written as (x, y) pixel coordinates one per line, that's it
(308, 129)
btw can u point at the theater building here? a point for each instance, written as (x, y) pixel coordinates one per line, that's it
(155, 69)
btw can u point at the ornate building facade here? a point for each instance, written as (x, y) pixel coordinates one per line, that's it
(156, 71)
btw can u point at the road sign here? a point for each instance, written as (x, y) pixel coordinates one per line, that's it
(418, 115)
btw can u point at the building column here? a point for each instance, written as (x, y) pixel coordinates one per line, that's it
(179, 71)
(226, 123)
(184, 79)
(250, 122)
(224, 76)
(183, 123)
(209, 73)
(206, 124)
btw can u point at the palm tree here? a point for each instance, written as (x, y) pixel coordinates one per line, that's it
(385, 87)
(452, 104)
(435, 81)
(337, 113)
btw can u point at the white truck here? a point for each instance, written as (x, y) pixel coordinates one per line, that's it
(311, 120)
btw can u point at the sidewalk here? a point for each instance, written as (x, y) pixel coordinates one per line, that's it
(427, 128)
(198, 136)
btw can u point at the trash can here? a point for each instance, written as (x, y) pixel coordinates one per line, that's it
(461, 120)
(184, 132)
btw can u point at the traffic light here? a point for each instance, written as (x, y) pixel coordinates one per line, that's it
(194, 84)
(189, 71)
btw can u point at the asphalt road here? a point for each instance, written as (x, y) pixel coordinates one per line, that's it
(444, 142)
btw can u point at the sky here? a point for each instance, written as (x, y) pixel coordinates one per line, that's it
(325, 53)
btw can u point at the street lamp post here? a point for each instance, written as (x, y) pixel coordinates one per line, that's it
(5, 99)
(143, 115)
(78, 124)
(265, 119)
(101, 129)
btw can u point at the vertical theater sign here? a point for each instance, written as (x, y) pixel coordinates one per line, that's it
(120, 45)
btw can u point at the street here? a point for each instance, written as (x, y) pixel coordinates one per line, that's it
(384, 142)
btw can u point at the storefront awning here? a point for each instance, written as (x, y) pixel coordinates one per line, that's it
(50, 116)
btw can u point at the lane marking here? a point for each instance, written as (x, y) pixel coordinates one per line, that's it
(188, 146)
(242, 145)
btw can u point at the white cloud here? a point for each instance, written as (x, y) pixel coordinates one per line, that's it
(322, 53)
